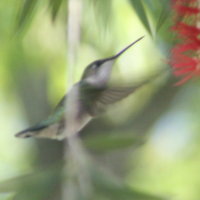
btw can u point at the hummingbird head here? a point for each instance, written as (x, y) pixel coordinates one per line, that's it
(98, 72)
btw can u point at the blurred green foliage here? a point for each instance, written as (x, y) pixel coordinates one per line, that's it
(145, 148)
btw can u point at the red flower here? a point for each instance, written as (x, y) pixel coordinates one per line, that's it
(185, 55)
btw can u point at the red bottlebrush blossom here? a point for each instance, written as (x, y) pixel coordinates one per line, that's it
(185, 55)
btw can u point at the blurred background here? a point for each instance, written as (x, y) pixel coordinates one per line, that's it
(145, 147)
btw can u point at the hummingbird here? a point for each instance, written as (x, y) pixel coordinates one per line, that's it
(85, 100)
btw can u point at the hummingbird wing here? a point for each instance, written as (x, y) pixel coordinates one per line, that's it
(112, 95)
(96, 100)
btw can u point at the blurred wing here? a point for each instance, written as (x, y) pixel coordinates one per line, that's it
(109, 96)
(96, 99)
(112, 95)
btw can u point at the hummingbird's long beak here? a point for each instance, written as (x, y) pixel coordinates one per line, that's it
(123, 50)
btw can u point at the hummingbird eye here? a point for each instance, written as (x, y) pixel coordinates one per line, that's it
(95, 66)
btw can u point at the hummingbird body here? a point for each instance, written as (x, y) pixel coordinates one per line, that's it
(60, 125)
(85, 100)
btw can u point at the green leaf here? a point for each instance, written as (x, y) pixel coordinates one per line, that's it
(102, 10)
(159, 10)
(163, 15)
(38, 185)
(26, 13)
(55, 7)
(139, 8)
(105, 184)
(102, 142)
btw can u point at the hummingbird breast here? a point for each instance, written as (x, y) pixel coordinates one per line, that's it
(76, 115)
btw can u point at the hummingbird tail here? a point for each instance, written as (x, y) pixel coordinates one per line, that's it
(30, 132)
(24, 134)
